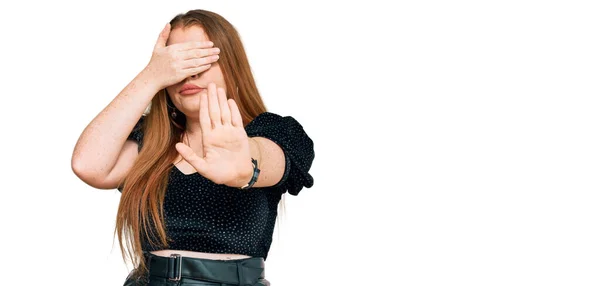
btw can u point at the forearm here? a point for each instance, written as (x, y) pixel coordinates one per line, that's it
(271, 162)
(100, 143)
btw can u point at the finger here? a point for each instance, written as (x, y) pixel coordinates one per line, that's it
(225, 112)
(161, 42)
(191, 157)
(204, 117)
(199, 53)
(193, 63)
(236, 116)
(213, 105)
(192, 45)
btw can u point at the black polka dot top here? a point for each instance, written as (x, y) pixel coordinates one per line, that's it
(203, 216)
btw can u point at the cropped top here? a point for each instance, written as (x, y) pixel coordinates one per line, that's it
(203, 216)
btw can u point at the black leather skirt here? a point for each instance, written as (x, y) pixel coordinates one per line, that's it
(181, 270)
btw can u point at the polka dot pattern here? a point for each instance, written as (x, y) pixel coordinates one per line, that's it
(203, 216)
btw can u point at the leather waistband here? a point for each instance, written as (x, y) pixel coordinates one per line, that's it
(246, 271)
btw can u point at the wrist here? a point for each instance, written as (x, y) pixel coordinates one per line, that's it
(148, 78)
(247, 180)
(242, 178)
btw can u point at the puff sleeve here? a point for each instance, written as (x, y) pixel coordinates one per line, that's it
(295, 143)
(136, 134)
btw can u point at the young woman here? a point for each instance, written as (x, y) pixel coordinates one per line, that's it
(202, 172)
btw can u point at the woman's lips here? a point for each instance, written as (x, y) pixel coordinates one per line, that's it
(191, 91)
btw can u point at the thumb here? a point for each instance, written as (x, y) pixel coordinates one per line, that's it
(161, 42)
(190, 156)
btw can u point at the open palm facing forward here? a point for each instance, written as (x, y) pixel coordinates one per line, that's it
(227, 158)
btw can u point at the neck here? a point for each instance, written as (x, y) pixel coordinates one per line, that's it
(193, 128)
(192, 136)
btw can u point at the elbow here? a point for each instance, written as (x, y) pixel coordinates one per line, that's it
(77, 166)
(85, 172)
(81, 169)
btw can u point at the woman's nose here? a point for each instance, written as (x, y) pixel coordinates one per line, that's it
(194, 76)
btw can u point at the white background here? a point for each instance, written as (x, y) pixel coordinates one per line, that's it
(456, 142)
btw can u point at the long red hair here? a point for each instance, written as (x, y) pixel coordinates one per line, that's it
(140, 213)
